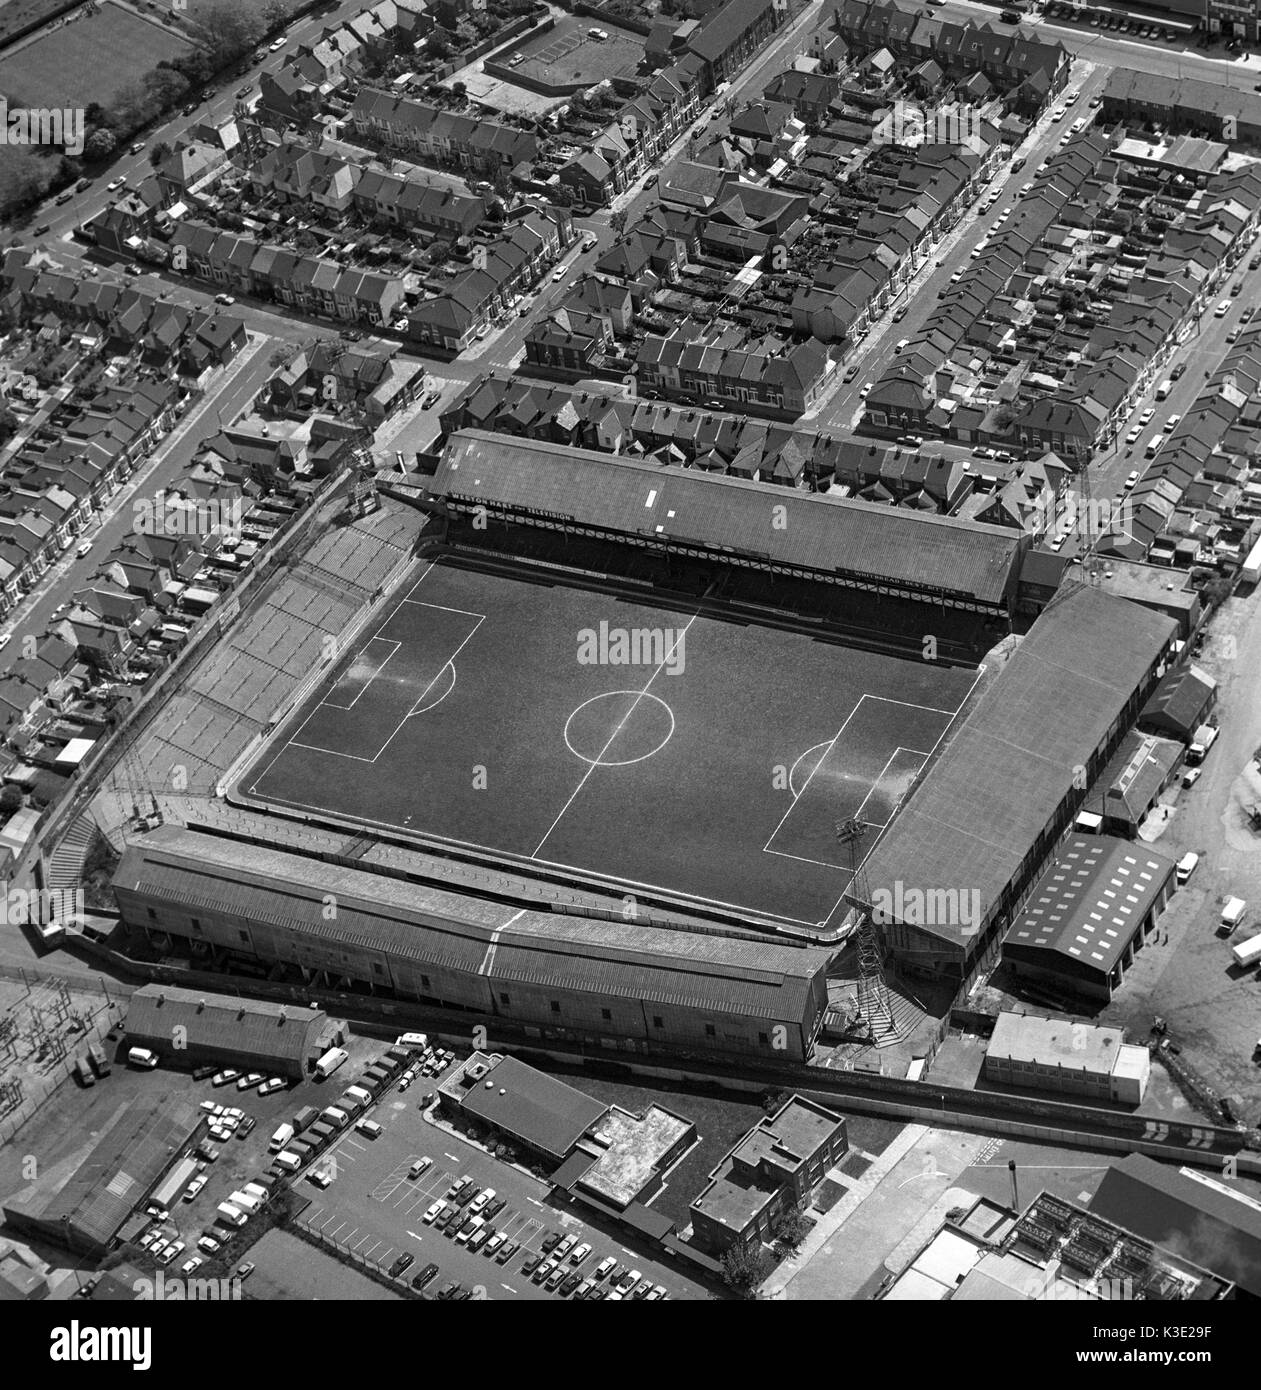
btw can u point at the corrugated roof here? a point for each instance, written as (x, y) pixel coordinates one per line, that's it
(275, 1033)
(1091, 901)
(1206, 1225)
(133, 1151)
(722, 974)
(1017, 757)
(684, 505)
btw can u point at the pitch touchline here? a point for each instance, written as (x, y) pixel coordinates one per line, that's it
(620, 726)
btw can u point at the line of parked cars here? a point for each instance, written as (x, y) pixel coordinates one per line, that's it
(465, 1214)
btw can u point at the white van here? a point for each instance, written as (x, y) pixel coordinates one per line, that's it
(142, 1057)
(230, 1215)
(1186, 867)
(281, 1137)
(330, 1061)
(289, 1162)
(420, 1040)
(359, 1094)
(370, 1129)
(1233, 913)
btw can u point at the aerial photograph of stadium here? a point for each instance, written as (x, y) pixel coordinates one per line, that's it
(628, 659)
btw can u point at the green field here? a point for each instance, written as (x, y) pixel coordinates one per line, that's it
(87, 60)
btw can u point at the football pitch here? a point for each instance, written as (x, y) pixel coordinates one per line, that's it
(658, 751)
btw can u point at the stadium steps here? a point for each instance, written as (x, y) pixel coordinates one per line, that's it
(906, 1018)
(65, 868)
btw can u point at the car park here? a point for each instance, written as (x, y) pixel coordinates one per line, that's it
(530, 1264)
(629, 1280)
(493, 1244)
(569, 1284)
(421, 1165)
(480, 1237)
(173, 1252)
(443, 1219)
(495, 1208)
(479, 1202)
(549, 1242)
(658, 1291)
(458, 1187)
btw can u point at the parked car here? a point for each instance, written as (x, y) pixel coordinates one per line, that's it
(425, 1276)
(506, 1251)
(580, 1254)
(194, 1187)
(224, 1077)
(431, 1212)
(271, 1085)
(403, 1263)
(244, 1271)
(209, 1244)
(250, 1080)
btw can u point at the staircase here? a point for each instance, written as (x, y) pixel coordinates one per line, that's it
(66, 867)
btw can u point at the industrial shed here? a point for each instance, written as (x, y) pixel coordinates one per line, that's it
(188, 1027)
(82, 1203)
(1009, 780)
(641, 986)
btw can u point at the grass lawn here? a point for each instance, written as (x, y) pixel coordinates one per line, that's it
(86, 61)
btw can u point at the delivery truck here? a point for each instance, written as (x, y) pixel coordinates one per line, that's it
(98, 1058)
(230, 1215)
(1247, 952)
(1233, 911)
(281, 1137)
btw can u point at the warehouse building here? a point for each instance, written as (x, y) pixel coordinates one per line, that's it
(1090, 914)
(620, 984)
(1205, 1219)
(1055, 1054)
(83, 1203)
(969, 839)
(188, 1028)
(1182, 701)
(1141, 770)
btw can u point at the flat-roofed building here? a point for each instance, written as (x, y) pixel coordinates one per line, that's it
(773, 1169)
(1054, 1054)
(1089, 914)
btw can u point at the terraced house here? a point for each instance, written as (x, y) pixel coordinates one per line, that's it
(441, 137)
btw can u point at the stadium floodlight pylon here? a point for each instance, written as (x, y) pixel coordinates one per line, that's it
(871, 1005)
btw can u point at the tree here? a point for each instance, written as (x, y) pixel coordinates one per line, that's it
(275, 15)
(745, 1267)
(1068, 302)
(458, 89)
(773, 1101)
(158, 153)
(100, 144)
(618, 222)
(439, 251)
(791, 1227)
(10, 799)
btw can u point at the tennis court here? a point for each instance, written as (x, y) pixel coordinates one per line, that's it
(659, 750)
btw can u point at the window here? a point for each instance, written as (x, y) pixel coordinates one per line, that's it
(556, 1006)
(656, 1021)
(763, 1039)
(504, 1000)
(424, 982)
(709, 1030)
(196, 923)
(244, 935)
(153, 916)
(606, 1014)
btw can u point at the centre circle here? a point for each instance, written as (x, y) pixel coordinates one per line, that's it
(618, 728)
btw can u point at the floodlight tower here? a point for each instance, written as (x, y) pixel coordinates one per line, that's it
(873, 993)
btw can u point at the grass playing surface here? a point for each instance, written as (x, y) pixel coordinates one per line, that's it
(716, 767)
